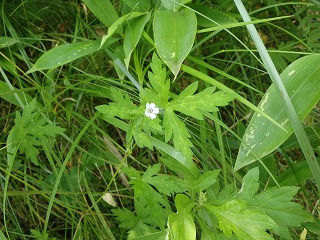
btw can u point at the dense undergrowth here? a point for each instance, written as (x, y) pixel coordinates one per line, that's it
(137, 119)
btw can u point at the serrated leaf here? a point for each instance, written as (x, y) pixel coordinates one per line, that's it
(181, 224)
(64, 54)
(126, 217)
(174, 34)
(176, 129)
(29, 131)
(153, 201)
(121, 107)
(277, 203)
(151, 170)
(143, 140)
(247, 224)
(166, 184)
(203, 102)
(262, 137)
(158, 81)
(205, 180)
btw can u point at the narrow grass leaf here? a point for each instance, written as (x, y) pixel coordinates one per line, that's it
(132, 35)
(104, 10)
(209, 17)
(7, 42)
(64, 54)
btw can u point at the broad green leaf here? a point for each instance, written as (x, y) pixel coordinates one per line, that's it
(132, 35)
(176, 129)
(301, 80)
(277, 204)
(174, 5)
(247, 224)
(196, 105)
(181, 224)
(154, 236)
(138, 5)
(103, 10)
(8, 62)
(64, 54)
(2, 237)
(7, 42)
(250, 184)
(297, 173)
(174, 34)
(311, 226)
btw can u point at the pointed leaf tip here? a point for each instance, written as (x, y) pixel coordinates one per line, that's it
(174, 34)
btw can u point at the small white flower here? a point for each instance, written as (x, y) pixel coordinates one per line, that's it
(151, 110)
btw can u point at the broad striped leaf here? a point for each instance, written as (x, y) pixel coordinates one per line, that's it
(262, 137)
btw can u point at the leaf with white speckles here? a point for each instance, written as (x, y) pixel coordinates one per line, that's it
(262, 137)
(64, 54)
(174, 34)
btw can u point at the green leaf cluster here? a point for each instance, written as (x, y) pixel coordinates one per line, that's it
(150, 199)
(188, 102)
(30, 131)
(247, 214)
(227, 213)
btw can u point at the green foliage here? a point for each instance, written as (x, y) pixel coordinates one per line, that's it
(300, 79)
(168, 168)
(151, 207)
(181, 224)
(243, 212)
(64, 54)
(188, 103)
(30, 131)
(174, 34)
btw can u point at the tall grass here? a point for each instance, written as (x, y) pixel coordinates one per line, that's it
(62, 192)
